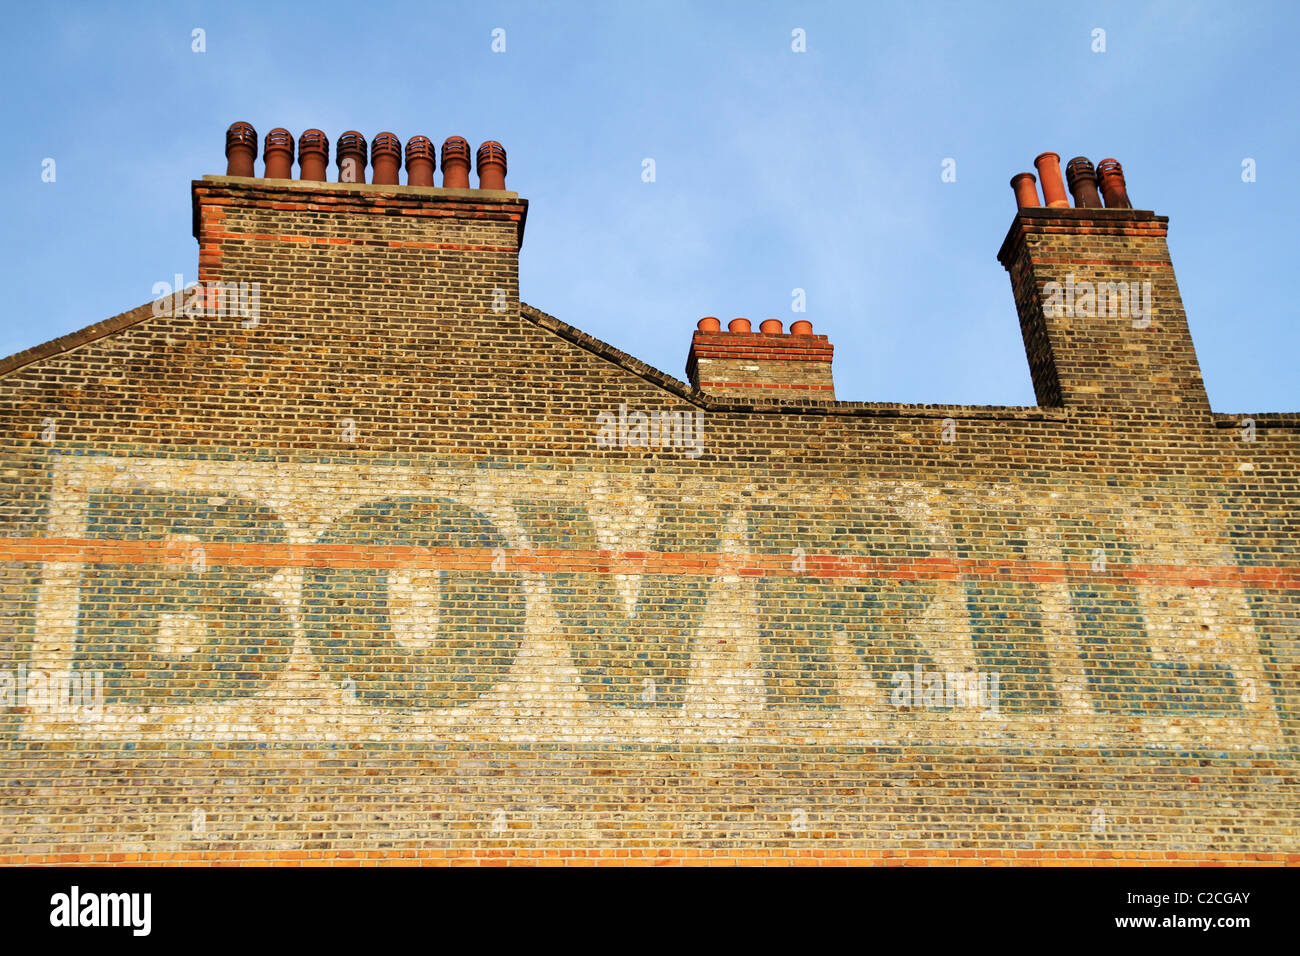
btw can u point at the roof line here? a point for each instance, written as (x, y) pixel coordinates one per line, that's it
(783, 406)
(74, 340)
(601, 349)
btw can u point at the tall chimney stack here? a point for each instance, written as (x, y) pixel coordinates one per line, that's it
(1099, 306)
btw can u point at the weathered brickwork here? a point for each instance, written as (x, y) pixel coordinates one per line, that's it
(359, 579)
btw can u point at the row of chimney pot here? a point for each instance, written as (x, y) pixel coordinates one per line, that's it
(1083, 180)
(767, 326)
(385, 158)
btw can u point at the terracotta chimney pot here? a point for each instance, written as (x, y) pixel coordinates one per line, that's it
(1049, 172)
(277, 153)
(1113, 188)
(313, 155)
(455, 163)
(1082, 179)
(801, 327)
(709, 324)
(420, 161)
(350, 155)
(1026, 191)
(241, 150)
(738, 325)
(385, 159)
(491, 165)
(770, 326)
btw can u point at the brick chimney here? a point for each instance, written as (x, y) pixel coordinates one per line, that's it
(1099, 305)
(767, 364)
(449, 250)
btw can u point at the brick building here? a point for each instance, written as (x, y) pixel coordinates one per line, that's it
(352, 554)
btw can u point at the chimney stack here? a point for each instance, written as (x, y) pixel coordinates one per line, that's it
(418, 237)
(760, 366)
(1099, 306)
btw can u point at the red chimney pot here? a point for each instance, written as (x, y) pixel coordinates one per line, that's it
(1113, 188)
(708, 324)
(1082, 179)
(491, 165)
(801, 327)
(738, 325)
(420, 161)
(770, 326)
(241, 149)
(277, 153)
(350, 154)
(385, 158)
(1049, 171)
(313, 155)
(455, 163)
(1026, 191)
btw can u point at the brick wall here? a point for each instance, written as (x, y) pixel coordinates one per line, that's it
(402, 568)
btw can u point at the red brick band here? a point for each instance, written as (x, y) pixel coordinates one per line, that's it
(823, 566)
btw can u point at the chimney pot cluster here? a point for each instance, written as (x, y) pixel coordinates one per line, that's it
(1083, 180)
(350, 154)
(767, 327)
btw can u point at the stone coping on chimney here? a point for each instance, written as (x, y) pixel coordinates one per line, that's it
(432, 192)
(369, 197)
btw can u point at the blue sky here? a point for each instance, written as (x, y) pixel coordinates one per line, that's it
(775, 170)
